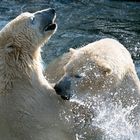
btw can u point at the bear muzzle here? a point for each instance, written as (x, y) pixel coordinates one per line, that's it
(62, 88)
(47, 19)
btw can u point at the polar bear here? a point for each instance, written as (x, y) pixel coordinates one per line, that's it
(102, 69)
(29, 107)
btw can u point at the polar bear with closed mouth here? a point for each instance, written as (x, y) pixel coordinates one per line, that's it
(103, 68)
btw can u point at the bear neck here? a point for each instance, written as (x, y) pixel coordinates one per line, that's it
(21, 67)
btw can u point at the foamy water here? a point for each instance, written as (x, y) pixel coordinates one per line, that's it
(95, 114)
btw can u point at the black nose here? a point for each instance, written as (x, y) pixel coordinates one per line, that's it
(63, 85)
(52, 10)
(58, 89)
(62, 88)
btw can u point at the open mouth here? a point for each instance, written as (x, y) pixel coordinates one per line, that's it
(50, 27)
(65, 97)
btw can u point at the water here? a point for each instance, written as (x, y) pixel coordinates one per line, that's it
(109, 119)
(79, 23)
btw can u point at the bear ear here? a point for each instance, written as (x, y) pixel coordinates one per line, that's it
(9, 48)
(72, 50)
(105, 68)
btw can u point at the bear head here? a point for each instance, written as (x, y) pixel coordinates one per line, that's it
(28, 31)
(95, 68)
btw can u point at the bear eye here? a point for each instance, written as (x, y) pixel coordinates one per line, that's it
(33, 19)
(10, 48)
(78, 76)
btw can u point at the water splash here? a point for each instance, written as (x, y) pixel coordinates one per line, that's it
(115, 122)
